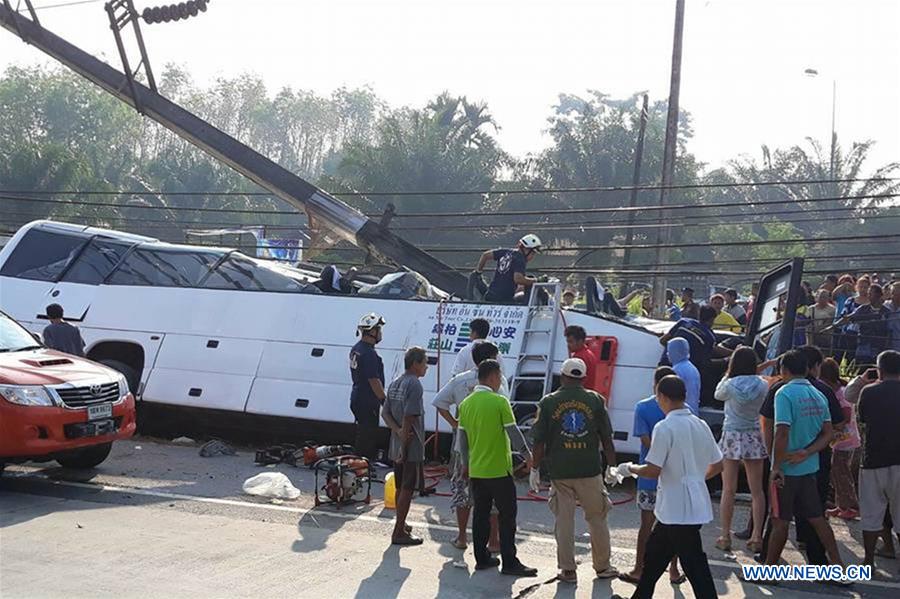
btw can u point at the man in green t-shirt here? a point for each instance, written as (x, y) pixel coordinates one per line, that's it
(486, 428)
(571, 428)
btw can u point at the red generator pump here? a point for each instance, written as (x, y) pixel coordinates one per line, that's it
(606, 349)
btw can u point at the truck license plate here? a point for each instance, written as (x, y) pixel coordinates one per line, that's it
(100, 411)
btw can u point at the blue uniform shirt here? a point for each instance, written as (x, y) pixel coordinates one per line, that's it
(646, 414)
(365, 364)
(503, 286)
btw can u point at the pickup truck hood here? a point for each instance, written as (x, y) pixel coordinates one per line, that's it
(48, 367)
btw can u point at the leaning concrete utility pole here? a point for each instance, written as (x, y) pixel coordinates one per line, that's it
(668, 169)
(635, 182)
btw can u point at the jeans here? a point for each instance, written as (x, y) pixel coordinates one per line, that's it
(502, 493)
(665, 542)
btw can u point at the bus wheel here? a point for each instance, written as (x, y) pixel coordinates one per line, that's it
(131, 375)
(88, 457)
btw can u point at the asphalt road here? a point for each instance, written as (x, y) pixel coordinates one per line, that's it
(157, 520)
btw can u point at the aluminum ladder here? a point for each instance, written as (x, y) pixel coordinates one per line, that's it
(536, 350)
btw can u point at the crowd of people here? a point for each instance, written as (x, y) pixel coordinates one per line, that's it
(813, 446)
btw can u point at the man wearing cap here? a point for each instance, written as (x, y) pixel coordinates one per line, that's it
(367, 374)
(510, 272)
(571, 428)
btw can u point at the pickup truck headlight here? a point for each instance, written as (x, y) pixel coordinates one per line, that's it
(123, 387)
(26, 395)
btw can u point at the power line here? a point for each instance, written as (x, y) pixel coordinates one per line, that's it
(486, 192)
(592, 226)
(638, 209)
(65, 4)
(716, 244)
(493, 213)
(682, 221)
(846, 239)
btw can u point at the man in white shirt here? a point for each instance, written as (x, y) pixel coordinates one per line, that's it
(452, 394)
(683, 454)
(478, 333)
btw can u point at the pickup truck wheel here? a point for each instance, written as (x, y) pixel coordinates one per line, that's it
(85, 458)
(131, 375)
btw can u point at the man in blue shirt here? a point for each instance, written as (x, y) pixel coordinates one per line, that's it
(510, 272)
(646, 414)
(700, 337)
(802, 430)
(367, 374)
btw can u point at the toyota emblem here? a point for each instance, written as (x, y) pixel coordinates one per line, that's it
(96, 390)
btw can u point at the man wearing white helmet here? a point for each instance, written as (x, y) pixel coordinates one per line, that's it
(510, 272)
(367, 373)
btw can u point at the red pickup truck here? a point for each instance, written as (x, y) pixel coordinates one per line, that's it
(54, 406)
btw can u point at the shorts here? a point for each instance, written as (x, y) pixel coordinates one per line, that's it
(742, 445)
(460, 497)
(406, 475)
(878, 488)
(646, 499)
(798, 497)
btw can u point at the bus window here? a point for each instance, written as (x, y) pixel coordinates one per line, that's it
(239, 272)
(164, 268)
(96, 261)
(43, 255)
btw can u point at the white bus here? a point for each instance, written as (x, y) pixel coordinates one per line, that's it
(200, 331)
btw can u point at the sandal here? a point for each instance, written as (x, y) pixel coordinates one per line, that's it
(627, 577)
(407, 541)
(680, 580)
(459, 544)
(754, 546)
(723, 543)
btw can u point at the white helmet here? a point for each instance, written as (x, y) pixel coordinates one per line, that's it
(370, 321)
(531, 242)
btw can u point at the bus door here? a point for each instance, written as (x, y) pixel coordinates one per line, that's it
(771, 327)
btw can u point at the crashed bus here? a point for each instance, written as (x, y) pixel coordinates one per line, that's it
(202, 332)
(206, 332)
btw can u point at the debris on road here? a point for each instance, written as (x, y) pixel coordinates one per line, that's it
(216, 447)
(183, 441)
(271, 484)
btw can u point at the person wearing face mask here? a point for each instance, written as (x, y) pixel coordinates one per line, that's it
(367, 375)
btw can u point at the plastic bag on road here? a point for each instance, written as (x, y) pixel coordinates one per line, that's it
(271, 484)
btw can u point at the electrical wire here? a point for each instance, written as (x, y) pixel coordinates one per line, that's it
(748, 219)
(715, 244)
(492, 213)
(489, 192)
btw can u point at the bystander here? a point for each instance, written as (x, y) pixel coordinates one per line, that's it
(879, 476)
(60, 335)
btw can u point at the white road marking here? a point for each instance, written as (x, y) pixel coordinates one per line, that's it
(529, 536)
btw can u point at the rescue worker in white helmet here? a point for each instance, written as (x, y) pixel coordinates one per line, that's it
(367, 373)
(510, 272)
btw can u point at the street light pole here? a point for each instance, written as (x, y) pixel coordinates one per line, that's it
(810, 72)
(833, 130)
